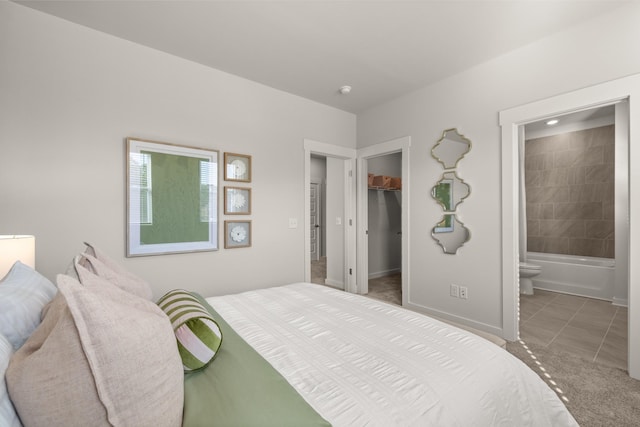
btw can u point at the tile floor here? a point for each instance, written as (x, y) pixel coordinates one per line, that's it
(590, 328)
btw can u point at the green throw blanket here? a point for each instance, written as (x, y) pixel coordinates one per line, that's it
(240, 388)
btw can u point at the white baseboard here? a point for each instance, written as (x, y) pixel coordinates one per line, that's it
(572, 289)
(384, 273)
(622, 302)
(461, 321)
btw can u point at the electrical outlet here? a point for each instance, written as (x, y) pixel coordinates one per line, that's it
(463, 292)
(454, 291)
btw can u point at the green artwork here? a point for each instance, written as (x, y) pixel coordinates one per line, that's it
(174, 195)
(172, 198)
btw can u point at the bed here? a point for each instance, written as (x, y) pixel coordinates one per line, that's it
(292, 355)
(361, 362)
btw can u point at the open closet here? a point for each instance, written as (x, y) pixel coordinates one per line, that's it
(385, 227)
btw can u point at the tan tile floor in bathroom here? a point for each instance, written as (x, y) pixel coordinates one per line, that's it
(589, 328)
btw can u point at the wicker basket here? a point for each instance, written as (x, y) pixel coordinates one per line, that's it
(396, 183)
(382, 181)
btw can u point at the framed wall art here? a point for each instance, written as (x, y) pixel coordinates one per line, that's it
(237, 201)
(237, 167)
(237, 234)
(172, 194)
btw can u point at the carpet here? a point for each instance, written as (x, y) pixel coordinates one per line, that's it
(596, 395)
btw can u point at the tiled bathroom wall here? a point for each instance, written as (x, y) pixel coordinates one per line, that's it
(570, 193)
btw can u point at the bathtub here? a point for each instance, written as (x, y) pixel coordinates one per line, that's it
(577, 275)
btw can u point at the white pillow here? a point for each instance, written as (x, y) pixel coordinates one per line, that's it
(23, 294)
(8, 416)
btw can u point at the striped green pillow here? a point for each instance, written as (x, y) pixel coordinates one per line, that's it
(197, 333)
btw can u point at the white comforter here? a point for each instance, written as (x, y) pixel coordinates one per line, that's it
(360, 362)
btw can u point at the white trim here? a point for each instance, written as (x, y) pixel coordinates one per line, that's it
(349, 157)
(396, 145)
(598, 95)
(448, 317)
(621, 210)
(620, 302)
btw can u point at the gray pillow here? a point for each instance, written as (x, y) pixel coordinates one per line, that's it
(23, 294)
(8, 416)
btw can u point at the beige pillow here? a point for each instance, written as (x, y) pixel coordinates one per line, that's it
(100, 357)
(88, 265)
(143, 288)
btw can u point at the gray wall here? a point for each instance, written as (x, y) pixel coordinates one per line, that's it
(70, 95)
(593, 52)
(570, 193)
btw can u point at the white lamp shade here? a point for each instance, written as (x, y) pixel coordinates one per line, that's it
(16, 248)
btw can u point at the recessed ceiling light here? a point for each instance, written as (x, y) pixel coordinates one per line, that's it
(552, 122)
(345, 90)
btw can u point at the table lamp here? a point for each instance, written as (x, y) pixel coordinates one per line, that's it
(16, 248)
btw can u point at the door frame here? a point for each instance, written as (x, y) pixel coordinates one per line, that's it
(348, 155)
(401, 145)
(510, 120)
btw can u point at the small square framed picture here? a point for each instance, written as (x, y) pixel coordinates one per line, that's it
(237, 234)
(237, 167)
(237, 201)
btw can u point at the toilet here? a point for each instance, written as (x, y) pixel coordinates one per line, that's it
(527, 271)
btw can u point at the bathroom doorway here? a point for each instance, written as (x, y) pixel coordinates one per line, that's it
(511, 120)
(574, 170)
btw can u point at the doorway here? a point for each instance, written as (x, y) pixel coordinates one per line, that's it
(511, 120)
(384, 231)
(397, 149)
(574, 230)
(332, 167)
(317, 215)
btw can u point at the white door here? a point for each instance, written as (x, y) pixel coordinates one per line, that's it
(314, 223)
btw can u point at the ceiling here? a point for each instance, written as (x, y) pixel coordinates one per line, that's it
(592, 117)
(383, 49)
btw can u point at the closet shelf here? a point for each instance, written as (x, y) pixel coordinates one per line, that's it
(383, 182)
(384, 189)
